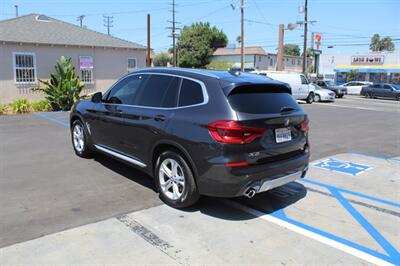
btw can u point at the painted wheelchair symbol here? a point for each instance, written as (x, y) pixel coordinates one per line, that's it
(343, 167)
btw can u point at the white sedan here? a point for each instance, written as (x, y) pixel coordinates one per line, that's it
(323, 95)
(354, 87)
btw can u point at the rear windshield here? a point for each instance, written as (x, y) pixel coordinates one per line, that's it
(256, 100)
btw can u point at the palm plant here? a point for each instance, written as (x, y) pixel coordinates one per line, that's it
(64, 87)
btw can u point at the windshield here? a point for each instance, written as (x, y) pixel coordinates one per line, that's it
(396, 86)
(329, 82)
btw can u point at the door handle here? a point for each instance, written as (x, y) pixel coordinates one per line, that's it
(159, 118)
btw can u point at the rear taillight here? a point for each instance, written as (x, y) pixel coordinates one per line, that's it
(233, 132)
(304, 126)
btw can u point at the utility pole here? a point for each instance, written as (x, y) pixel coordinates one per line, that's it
(148, 60)
(305, 37)
(16, 10)
(279, 57)
(108, 23)
(242, 35)
(80, 19)
(174, 34)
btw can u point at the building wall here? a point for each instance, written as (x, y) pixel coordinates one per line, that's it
(109, 65)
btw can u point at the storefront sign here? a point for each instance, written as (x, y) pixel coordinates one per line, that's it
(86, 62)
(367, 59)
(317, 38)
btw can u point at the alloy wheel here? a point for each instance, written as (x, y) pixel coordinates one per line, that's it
(78, 138)
(172, 179)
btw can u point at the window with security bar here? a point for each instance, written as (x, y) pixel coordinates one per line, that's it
(87, 75)
(24, 68)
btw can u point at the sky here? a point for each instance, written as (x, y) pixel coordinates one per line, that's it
(348, 25)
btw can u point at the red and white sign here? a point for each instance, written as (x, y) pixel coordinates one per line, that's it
(317, 38)
(86, 62)
(367, 59)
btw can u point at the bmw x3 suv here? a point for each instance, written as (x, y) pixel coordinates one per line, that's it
(197, 132)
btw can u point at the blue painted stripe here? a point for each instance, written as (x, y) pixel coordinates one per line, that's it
(390, 250)
(338, 239)
(279, 214)
(375, 156)
(352, 192)
(52, 119)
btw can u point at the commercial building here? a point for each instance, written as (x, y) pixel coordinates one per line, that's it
(30, 46)
(257, 58)
(375, 67)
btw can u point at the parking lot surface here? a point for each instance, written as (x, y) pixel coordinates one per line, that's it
(346, 210)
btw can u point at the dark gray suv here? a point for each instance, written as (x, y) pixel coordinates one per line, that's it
(197, 132)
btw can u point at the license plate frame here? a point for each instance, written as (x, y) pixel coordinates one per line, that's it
(283, 134)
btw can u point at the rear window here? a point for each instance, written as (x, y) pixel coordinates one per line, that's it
(261, 100)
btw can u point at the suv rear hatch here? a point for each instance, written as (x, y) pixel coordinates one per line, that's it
(270, 125)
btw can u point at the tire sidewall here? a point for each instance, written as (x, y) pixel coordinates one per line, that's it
(310, 98)
(190, 194)
(317, 98)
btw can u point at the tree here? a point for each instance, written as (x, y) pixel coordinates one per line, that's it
(161, 59)
(238, 39)
(64, 87)
(291, 49)
(219, 65)
(377, 44)
(197, 44)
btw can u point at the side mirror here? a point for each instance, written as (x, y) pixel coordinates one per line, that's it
(97, 97)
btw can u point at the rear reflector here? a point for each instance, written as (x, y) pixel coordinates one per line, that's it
(238, 164)
(233, 132)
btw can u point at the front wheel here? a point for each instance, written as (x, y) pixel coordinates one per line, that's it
(310, 98)
(317, 98)
(175, 181)
(80, 139)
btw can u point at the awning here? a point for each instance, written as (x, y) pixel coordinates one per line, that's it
(369, 69)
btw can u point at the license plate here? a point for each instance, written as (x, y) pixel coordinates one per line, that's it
(283, 134)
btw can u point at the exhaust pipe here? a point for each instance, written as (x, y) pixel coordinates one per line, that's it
(250, 193)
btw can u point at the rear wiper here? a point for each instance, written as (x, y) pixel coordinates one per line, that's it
(287, 109)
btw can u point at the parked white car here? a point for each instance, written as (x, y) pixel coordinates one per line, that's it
(301, 87)
(323, 95)
(354, 87)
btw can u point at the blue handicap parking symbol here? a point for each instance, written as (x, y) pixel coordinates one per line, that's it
(348, 168)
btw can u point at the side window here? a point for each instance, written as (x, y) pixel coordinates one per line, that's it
(191, 93)
(303, 80)
(124, 91)
(376, 86)
(387, 87)
(159, 91)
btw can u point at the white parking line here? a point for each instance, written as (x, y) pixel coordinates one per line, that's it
(352, 251)
(358, 107)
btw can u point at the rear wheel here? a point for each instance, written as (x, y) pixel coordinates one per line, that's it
(175, 180)
(80, 139)
(310, 98)
(317, 98)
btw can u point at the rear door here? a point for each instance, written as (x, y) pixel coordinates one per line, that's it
(278, 114)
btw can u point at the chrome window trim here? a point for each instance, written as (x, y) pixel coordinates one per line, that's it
(202, 85)
(119, 155)
(187, 70)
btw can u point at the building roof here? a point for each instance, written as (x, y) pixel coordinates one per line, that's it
(41, 29)
(236, 51)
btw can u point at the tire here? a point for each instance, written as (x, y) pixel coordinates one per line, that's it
(398, 97)
(177, 189)
(340, 96)
(317, 98)
(310, 98)
(80, 140)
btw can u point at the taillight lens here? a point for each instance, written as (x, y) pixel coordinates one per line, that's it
(233, 132)
(304, 126)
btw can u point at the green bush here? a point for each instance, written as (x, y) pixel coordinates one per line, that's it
(41, 106)
(219, 65)
(20, 106)
(3, 108)
(64, 87)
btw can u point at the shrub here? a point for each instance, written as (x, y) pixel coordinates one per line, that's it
(41, 106)
(64, 87)
(3, 108)
(219, 65)
(161, 59)
(20, 106)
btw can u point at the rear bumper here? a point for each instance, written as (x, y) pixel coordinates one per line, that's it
(222, 181)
